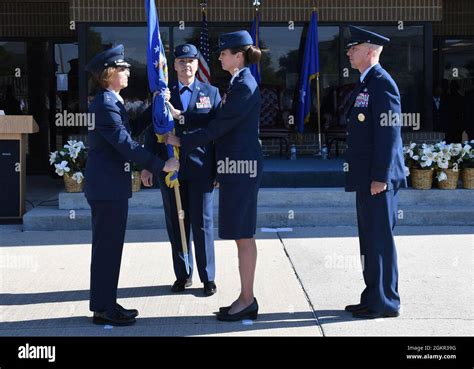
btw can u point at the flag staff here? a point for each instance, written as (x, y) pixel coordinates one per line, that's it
(255, 33)
(318, 104)
(157, 71)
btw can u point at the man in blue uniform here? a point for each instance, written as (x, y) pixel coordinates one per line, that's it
(375, 172)
(108, 183)
(199, 102)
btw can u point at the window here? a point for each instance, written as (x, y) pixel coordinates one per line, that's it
(137, 95)
(458, 62)
(457, 87)
(13, 78)
(281, 62)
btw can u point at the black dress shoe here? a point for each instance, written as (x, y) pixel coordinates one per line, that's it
(210, 288)
(180, 284)
(225, 309)
(250, 312)
(132, 313)
(112, 317)
(352, 308)
(370, 314)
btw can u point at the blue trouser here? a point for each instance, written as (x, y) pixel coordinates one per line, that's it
(197, 200)
(109, 221)
(376, 218)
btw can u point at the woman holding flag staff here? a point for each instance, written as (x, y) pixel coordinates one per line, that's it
(235, 133)
(108, 184)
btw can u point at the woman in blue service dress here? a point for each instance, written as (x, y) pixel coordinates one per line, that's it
(238, 162)
(108, 181)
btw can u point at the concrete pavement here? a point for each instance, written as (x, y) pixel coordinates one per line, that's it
(304, 279)
(44, 289)
(436, 270)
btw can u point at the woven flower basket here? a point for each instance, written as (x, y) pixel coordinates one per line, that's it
(467, 177)
(136, 181)
(452, 182)
(71, 185)
(421, 179)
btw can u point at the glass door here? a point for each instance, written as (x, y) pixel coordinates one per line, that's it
(65, 95)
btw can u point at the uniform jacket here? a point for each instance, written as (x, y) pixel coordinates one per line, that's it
(235, 128)
(112, 149)
(374, 150)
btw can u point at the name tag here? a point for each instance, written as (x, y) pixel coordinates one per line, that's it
(362, 100)
(204, 102)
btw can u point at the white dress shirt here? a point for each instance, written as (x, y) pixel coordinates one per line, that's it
(117, 95)
(236, 74)
(362, 76)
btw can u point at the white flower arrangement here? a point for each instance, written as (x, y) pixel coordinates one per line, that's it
(74, 148)
(418, 156)
(78, 177)
(62, 168)
(440, 156)
(428, 156)
(467, 154)
(448, 157)
(71, 159)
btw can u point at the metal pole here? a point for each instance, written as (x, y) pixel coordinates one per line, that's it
(319, 113)
(182, 230)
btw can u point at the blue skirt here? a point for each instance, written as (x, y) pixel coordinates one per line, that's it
(238, 209)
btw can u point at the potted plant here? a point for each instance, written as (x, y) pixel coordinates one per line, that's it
(136, 177)
(467, 165)
(449, 158)
(70, 163)
(420, 162)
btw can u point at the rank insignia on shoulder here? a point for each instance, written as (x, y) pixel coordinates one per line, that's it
(361, 117)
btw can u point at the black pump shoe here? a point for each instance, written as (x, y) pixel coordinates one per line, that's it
(250, 312)
(225, 309)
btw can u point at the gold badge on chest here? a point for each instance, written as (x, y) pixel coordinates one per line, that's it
(361, 117)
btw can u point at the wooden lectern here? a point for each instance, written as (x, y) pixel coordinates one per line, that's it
(14, 130)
